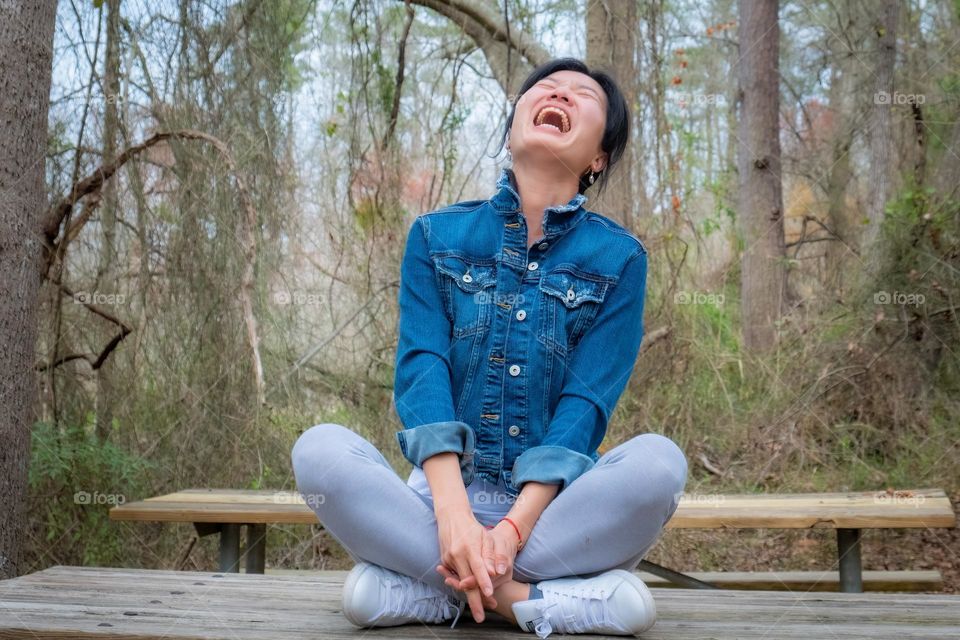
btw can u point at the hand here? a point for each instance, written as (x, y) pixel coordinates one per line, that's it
(462, 542)
(499, 555)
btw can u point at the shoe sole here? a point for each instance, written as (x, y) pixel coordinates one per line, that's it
(649, 605)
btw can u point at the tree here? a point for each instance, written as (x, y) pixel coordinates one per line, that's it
(26, 60)
(883, 162)
(612, 45)
(763, 272)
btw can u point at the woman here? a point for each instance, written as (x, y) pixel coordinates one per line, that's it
(520, 320)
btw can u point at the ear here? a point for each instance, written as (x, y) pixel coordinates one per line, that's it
(599, 163)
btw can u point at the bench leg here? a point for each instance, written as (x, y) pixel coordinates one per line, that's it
(256, 547)
(230, 548)
(848, 550)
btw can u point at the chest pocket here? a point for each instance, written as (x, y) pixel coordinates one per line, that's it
(467, 286)
(569, 301)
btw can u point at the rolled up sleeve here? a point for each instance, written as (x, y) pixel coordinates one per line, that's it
(597, 372)
(422, 392)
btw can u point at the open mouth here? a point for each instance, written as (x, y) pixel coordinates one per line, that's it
(555, 117)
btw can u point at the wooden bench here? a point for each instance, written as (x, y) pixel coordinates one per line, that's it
(89, 602)
(224, 511)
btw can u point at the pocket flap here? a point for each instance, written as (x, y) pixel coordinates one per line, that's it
(469, 275)
(574, 287)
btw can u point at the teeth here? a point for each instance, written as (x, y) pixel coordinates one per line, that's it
(563, 116)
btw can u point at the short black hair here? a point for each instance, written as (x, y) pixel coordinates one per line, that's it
(616, 133)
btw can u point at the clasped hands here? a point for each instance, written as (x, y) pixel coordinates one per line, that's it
(476, 560)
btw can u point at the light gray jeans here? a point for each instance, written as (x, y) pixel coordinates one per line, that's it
(607, 518)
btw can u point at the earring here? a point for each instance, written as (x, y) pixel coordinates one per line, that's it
(592, 176)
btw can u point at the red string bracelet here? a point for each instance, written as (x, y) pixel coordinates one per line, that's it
(515, 528)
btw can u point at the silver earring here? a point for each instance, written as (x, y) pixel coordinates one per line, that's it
(592, 175)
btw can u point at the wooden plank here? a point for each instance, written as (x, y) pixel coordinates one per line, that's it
(925, 508)
(888, 581)
(89, 602)
(219, 512)
(895, 581)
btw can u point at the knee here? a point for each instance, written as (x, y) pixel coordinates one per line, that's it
(661, 462)
(318, 446)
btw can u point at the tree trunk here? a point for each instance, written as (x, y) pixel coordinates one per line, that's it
(881, 134)
(26, 58)
(612, 47)
(108, 210)
(843, 104)
(761, 199)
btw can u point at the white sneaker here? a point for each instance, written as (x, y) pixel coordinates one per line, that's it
(615, 602)
(374, 596)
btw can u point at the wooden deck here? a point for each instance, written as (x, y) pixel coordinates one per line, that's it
(87, 602)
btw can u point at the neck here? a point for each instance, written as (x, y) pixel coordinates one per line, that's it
(540, 186)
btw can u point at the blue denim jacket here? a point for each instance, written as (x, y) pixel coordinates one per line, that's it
(515, 359)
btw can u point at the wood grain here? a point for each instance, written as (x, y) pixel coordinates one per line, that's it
(861, 510)
(89, 602)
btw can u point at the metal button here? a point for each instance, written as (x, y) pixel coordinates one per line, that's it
(570, 294)
(521, 314)
(532, 266)
(467, 277)
(542, 246)
(514, 430)
(514, 370)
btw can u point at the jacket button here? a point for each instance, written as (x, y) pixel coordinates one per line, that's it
(521, 314)
(467, 277)
(514, 370)
(532, 266)
(570, 294)
(514, 430)
(542, 246)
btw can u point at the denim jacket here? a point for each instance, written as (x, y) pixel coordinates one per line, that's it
(515, 358)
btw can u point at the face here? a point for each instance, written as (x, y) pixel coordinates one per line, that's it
(561, 119)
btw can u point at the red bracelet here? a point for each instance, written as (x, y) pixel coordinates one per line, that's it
(515, 528)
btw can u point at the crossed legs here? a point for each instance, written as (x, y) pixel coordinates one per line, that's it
(607, 519)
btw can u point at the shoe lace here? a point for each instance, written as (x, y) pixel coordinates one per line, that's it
(577, 610)
(409, 597)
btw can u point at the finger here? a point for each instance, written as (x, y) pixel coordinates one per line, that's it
(500, 557)
(480, 572)
(446, 572)
(453, 583)
(450, 578)
(469, 582)
(473, 595)
(488, 553)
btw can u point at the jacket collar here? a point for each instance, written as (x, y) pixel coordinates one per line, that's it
(556, 218)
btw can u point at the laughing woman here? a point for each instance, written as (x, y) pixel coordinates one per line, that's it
(521, 317)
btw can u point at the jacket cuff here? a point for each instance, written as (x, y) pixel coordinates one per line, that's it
(419, 443)
(550, 464)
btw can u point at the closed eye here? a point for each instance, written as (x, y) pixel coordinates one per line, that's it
(587, 93)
